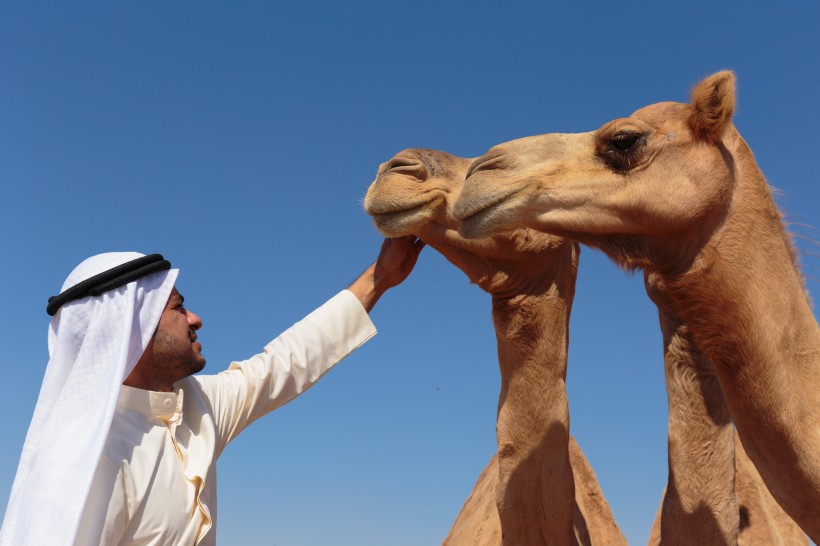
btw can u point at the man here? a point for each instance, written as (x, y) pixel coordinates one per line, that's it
(124, 440)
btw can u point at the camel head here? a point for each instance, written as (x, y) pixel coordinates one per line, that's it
(412, 190)
(663, 174)
(414, 193)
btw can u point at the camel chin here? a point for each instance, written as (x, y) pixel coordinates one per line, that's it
(405, 222)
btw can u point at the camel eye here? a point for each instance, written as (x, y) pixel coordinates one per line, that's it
(624, 143)
(623, 150)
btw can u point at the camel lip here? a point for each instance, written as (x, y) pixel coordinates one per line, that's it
(482, 219)
(411, 209)
(396, 223)
(463, 212)
(474, 226)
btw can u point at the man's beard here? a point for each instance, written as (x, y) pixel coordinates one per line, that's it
(175, 358)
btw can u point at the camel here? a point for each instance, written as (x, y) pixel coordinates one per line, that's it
(536, 471)
(674, 190)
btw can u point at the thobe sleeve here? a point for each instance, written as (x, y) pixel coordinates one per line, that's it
(288, 366)
(106, 510)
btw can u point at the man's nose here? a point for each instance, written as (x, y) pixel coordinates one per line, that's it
(194, 321)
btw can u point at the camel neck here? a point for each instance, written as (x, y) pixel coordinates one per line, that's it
(743, 297)
(533, 412)
(533, 329)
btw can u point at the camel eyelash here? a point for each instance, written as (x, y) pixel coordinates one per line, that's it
(622, 149)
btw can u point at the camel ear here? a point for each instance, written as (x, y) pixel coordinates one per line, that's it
(713, 103)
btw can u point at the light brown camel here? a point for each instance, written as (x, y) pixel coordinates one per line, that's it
(530, 308)
(675, 190)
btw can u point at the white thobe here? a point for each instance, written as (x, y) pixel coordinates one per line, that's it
(156, 480)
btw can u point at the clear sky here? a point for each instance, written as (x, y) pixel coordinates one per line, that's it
(238, 139)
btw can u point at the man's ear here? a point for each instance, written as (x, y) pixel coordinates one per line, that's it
(713, 104)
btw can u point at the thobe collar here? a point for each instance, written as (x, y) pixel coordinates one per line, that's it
(159, 405)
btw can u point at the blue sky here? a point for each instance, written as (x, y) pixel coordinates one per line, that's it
(238, 139)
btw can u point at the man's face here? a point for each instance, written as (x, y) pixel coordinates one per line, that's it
(176, 353)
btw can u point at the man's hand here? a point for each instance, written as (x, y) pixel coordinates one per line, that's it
(395, 262)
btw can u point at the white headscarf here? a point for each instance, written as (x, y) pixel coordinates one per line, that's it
(93, 345)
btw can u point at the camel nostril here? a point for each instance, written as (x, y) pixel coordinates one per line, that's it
(487, 162)
(472, 168)
(401, 162)
(409, 166)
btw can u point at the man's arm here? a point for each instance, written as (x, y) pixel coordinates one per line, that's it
(298, 357)
(395, 262)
